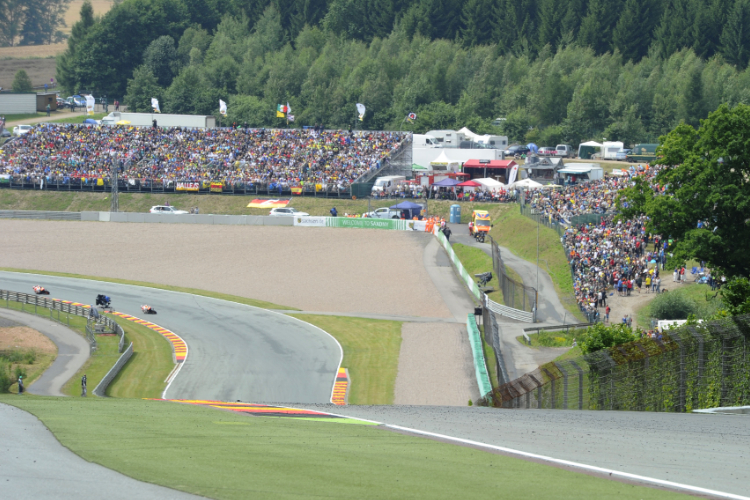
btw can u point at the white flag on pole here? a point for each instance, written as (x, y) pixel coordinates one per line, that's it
(361, 110)
(288, 108)
(155, 105)
(90, 103)
(512, 175)
(222, 107)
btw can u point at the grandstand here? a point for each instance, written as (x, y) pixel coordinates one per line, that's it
(243, 161)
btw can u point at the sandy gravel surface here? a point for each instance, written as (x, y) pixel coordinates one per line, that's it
(316, 269)
(435, 366)
(24, 338)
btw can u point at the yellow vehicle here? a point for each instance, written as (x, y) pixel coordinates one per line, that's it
(480, 224)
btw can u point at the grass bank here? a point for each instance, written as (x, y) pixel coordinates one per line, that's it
(476, 261)
(205, 293)
(519, 234)
(12, 199)
(371, 351)
(706, 302)
(225, 455)
(79, 118)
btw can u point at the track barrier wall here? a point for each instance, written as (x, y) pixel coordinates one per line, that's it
(101, 388)
(477, 351)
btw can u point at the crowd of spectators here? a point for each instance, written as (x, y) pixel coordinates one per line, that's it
(285, 158)
(611, 256)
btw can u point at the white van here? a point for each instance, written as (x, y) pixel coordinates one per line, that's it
(564, 150)
(424, 141)
(388, 183)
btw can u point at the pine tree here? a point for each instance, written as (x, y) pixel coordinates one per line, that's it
(632, 34)
(571, 21)
(592, 32)
(22, 82)
(444, 17)
(675, 28)
(735, 37)
(551, 14)
(477, 25)
(692, 108)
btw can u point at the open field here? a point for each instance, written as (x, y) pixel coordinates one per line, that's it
(371, 349)
(27, 349)
(704, 298)
(40, 68)
(221, 454)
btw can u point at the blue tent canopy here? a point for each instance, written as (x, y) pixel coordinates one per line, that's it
(447, 183)
(90, 120)
(533, 147)
(407, 205)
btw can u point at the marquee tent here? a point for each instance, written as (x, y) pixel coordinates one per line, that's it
(526, 184)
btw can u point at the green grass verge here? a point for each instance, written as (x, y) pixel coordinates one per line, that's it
(205, 293)
(145, 373)
(96, 367)
(700, 294)
(556, 338)
(371, 350)
(224, 455)
(519, 234)
(12, 199)
(476, 261)
(22, 116)
(79, 118)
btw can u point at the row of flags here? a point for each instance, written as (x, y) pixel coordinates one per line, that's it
(282, 111)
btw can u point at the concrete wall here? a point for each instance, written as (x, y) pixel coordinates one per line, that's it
(242, 220)
(17, 104)
(101, 388)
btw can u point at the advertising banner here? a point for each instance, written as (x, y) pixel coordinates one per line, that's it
(261, 203)
(311, 221)
(5, 179)
(188, 186)
(217, 187)
(364, 223)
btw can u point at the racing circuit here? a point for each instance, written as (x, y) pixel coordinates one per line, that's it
(242, 353)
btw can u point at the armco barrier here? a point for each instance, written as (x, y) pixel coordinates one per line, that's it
(477, 351)
(39, 215)
(101, 388)
(509, 312)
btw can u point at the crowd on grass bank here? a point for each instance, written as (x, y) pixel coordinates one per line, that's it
(288, 158)
(608, 257)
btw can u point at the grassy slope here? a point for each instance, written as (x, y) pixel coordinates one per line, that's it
(79, 118)
(476, 261)
(221, 454)
(693, 291)
(371, 350)
(194, 291)
(11, 199)
(519, 233)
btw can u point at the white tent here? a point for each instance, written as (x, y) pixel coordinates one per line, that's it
(490, 183)
(444, 161)
(468, 133)
(525, 184)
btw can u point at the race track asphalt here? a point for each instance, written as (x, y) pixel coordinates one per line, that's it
(235, 352)
(706, 451)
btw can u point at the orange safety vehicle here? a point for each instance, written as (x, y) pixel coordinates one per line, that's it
(480, 224)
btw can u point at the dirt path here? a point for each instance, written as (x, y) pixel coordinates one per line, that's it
(622, 306)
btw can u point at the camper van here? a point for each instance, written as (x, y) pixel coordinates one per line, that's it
(610, 150)
(388, 183)
(448, 138)
(576, 173)
(424, 141)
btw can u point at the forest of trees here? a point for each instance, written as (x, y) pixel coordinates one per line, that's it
(557, 70)
(32, 22)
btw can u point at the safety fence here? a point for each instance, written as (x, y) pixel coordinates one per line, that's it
(95, 323)
(477, 352)
(491, 332)
(685, 368)
(515, 294)
(543, 219)
(39, 215)
(101, 388)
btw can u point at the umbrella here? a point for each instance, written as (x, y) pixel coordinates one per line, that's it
(407, 205)
(446, 183)
(123, 122)
(490, 183)
(469, 184)
(90, 120)
(533, 147)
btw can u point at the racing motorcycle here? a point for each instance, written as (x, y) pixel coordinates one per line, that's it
(104, 301)
(148, 309)
(40, 290)
(480, 236)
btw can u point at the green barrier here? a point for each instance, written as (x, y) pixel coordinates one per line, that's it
(459, 267)
(477, 351)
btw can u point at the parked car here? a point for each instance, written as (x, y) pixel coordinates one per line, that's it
(21, 129)
(384, 213)
(517, 150)
(5, 133)
(547, 151)
(622, 154)
(60, 102)
(165, 209)
(75, 101)
(564, 150)
(287, 212)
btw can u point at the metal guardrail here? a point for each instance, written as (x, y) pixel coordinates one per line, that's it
(94, 325)
(101, 388)
(39, 215)
(515, 294)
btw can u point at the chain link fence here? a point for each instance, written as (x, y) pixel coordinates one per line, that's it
(515, 294)
(687, 368)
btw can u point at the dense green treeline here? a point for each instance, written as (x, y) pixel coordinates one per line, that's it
(557, 70)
